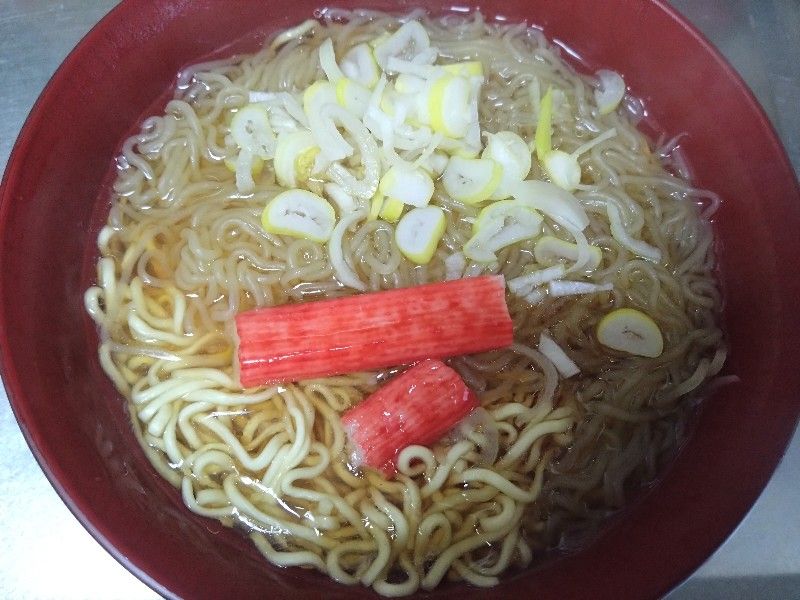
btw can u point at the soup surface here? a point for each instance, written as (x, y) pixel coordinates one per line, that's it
(361, 152)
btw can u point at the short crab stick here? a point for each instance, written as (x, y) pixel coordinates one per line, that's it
(417, 407)
(372, 331)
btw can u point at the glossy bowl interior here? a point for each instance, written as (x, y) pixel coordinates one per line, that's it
(79, 431)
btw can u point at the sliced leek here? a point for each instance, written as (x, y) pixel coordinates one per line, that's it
(317, 95)
(256, 165)
(448, 106)
(251, 130)
(410, 42)
(285, 111)
(565, 366)
(375, 205)
(327, 60)
(632, 331)
(525, 284)
(564, 169)
(467, 68)
(391, 210)
(299, 213)
(418, 233)
(407, 185)
(435, 163)
(513, 154)
(471, 180)
(560, 288)
(508, 212)
(555, 202)
(360, 182)
(499, 225)
(463, 148)
(610, 91)
(244, 167)
(344, 201)
(295, 154)
(359, 65)
(405, 83)
(353, 96)
(549, 250)
(543, 139)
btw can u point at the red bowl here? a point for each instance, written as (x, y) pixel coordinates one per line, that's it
(80, 433)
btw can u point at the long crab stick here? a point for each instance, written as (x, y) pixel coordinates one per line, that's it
(372, 330)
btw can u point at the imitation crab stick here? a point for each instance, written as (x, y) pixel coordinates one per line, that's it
(372, 331)
(416, 407)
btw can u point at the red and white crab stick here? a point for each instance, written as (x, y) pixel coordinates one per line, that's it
(417, 407)
(372, 330)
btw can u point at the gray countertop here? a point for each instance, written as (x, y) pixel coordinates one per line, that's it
(44, 551)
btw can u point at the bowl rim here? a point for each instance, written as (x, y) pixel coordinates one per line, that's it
(112, 540)
(109, 540)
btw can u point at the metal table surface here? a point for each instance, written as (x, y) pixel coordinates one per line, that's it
(44, 551)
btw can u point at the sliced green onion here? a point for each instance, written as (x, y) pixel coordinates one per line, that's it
(411, 186)
(471, 180)
(344, 201)
(499, 225)
(513, 154)
(317, 97)
(549, 250)
(352, 96)
(327, 60)
(467, 68)
(359, 65)
(553, 201)
(294, 158)
(448, 107)
(543, 139)
(343, 272)
(251, 130)
(631, 331)
(610, 91)
(525, 284)
(565, 366)
(418, 233)
(391, 210)
(299, 213)
(564, 169)
(560, 288)
(408, 42)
